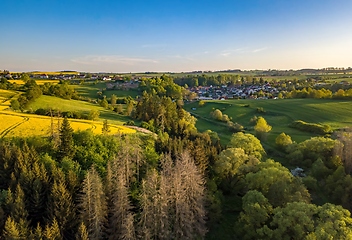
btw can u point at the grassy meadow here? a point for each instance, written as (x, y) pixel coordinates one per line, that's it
(55, 103)
(91, 90)
(21, 125)
(279, 114)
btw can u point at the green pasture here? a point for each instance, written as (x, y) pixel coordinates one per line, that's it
(64, 105)
(279, 114)
(121, 93)
(91, 90)
(346, 79)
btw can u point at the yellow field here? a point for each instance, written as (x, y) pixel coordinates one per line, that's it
(22, 125)
(50, 73)
(39, 82)
(6, 93)
(19, 82)
(5, 98)
(55, 73)
(8, 122)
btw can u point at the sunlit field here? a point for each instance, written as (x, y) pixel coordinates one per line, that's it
(39, 82)
(279, 114)
(5, 98)
(23, 125)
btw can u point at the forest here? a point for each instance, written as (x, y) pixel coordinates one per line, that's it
(174, 182)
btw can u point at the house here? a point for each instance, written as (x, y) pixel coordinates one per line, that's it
(43, 76)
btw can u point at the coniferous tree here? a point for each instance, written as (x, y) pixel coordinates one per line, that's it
(36, 188)
(7, 160)
(66, 147)
(38, 233)
(82, 233)
(121, 219)
(93, 208)
(16, 208)
(61, 208)
(187, 199)
(154, 201)
(11, 230)
(52, 231)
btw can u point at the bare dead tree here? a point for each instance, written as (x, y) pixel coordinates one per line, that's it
(93, 207)
(183, 185)
(154, 223)
(344, 150)
(121, 218)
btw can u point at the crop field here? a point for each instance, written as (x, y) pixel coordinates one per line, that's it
(279, 114)
(53, 73)
(18, 124)
(5, 98)
(39, 82)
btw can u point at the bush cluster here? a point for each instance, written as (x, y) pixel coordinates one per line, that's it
(321, 129)
(68, 114)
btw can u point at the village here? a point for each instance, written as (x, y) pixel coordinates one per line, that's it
(238, 92)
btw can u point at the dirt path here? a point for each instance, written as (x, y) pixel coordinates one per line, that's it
(139, 129)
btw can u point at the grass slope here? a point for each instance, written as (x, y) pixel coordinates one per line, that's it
(48, 102)
(279, 114)
(90, 90)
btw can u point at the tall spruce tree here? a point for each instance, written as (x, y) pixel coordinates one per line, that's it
(62, 209)
(66, 147)
(11, 230)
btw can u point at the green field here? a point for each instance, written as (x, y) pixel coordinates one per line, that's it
(279, 114)
(64, 105)
(90, 90)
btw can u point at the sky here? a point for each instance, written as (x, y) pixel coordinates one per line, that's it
(175, 35)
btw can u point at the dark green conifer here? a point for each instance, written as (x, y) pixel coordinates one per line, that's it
(66, 147)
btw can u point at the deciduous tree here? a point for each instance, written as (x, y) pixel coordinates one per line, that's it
(262, 128)
(249, 143)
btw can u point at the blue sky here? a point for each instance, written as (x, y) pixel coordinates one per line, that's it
(179, 35)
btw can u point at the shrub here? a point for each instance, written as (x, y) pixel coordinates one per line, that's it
(41, 111)
(311, 127)
(15, 105)
(253, 120)
(260, 110)
(235, 127)
(129, 123)
(282, 141)
(217, 114)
